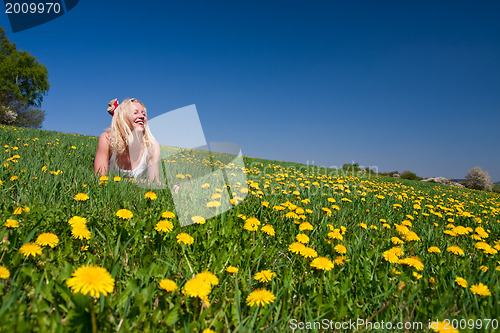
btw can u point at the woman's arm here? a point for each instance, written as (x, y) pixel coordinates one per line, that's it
(154, 165)
(101, 159)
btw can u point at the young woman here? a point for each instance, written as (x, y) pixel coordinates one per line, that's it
(128, 146)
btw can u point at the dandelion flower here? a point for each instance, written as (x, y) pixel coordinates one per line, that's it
(418, 276)
(411, 236)
(396, 241)
(80, 232)
(268, 229)
(480, 289)
(164, 226)
(213, 204)
(124, 214)
(442, 327)
(30, 249)
(455, 250)
(232, 269)
(305, 226)
(340, 249)
(322, 263)
(18, 211)
(168, 285)
(150, 195)
(413, 262)
(296, 247)
(209, 277)
(260, 297)
(4, 273)
(81, 197)
(10, 223)
(117, 178)
(251, 224)
(434, 249)
(47, 238)
(91, 279)
(197, 288)
(168, 215)
(363, 225)
(302, 238)
(198, 220)
(77, 221)
(185, 238)
(461, 282)
(308, 252)
(264, 276)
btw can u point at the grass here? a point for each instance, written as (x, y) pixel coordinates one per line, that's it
(51, 168)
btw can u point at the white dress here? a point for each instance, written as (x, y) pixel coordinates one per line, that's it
(139, 171)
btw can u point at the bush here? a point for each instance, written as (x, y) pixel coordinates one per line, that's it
(407, 174)
(478, 179)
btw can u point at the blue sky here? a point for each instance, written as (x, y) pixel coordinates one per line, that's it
(400, 85)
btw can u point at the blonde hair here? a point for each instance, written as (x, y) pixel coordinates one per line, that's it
(119, 131)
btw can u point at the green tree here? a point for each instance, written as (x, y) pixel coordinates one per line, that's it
(23, 83)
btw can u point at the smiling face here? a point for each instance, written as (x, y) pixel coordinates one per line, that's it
(137, 118)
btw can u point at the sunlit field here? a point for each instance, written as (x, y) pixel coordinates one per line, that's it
(302, 246)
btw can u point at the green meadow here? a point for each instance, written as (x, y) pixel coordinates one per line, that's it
(303, 248)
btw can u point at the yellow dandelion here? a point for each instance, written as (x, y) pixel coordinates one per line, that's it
(4, 273)
(184, 238)
(164, 226)
(18, 211)
(302, 238)
(308, 252)
(260, 297)
(80, 232)
(305, 226)
(150, 195)
(47, 238)
(327, 211)
(30, 249)
(480, 289)
(434, 249)
(418, 276)
(296, 247)
(209, 277)
(455, 250)
(77, 221)
(168, 285)
(322, 263)
(168, 215)
(197, 288)
(396, 241)
(232, 269)
(117, 178)
(461, 282)
(198, 220)
(413, 262)
(264, 276)
(81, 197)
(91, 279)
(124, 214)
(363, 225)
(340, 249)
(442, 327)
(10, 223)
(268, 229)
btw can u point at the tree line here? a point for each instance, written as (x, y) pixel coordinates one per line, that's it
(23, 84)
